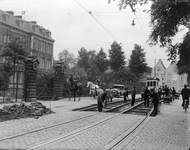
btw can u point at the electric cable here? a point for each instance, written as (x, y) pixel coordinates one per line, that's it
(90, 13)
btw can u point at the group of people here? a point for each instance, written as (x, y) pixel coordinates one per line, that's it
(146, 94)
(161, 91)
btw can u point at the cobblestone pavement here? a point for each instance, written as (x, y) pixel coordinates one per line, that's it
(98, 136)
(169, 130)
(63, 114)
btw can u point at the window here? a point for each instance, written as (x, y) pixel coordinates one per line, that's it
(157, 75)
(6, 17)
(169, 77)
(19, 23)
(158, 69)
(43, 63)
(48, 64)
(51, 52)
(35, 43)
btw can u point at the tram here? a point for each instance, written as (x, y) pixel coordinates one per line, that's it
(152, 83)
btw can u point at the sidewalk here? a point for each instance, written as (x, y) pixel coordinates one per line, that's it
(169, 130)
(84, 101)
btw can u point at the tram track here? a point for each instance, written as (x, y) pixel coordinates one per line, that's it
(44, 128)
(91, 126)
(55, 125)
(78, 126)
(118, 143)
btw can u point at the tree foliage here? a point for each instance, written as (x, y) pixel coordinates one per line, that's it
(68, 58)
(14, 51)
(82, 74)
(183, 64)
(83, 59)
(117, 57)
(101, 61)
(167, 17)
(137, 62)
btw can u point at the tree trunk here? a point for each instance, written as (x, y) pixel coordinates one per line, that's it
(14, 78)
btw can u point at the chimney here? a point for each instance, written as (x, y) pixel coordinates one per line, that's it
(48, 33)
(20, 17)
(33, 22)
(10, 12)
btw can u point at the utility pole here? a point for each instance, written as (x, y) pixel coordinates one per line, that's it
(155, 68)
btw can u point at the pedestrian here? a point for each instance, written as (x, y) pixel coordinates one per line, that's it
(185, 95)
(125, 95)
(146, 96)
(101, 100)
(160, 93)
(133, 94)
(166, 91)
(155, 101)
(173, 93)
(142, 94)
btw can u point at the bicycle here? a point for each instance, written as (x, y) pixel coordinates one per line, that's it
(185, 106)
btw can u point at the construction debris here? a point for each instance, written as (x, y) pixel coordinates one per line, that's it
(23, 110)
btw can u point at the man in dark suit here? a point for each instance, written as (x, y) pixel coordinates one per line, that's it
(155, 101)
(185, 95)
(146, 96)
(133, 94)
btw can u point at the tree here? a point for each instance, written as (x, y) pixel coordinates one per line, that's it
(117, 57)
(68, 58)
(81, 72)
(137, 62)
(167, 17)
(83, 59)
(102, 61)
(93, 72)
(14, 51)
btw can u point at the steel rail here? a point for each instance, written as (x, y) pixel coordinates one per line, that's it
(47, 127)
(115, 145)
(81, 130)
(44, 128)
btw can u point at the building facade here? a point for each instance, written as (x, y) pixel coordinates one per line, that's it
(169, 76)
(39, 40)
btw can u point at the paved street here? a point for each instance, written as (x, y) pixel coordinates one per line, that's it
(168, 130)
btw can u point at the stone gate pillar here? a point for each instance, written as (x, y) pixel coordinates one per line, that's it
(59, 80)
(30, 76)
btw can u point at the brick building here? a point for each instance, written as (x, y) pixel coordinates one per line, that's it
(39, 40)
(169, 76)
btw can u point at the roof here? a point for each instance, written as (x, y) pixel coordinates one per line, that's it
(8, 18)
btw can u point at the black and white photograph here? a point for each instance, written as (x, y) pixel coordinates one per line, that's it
(94, 74)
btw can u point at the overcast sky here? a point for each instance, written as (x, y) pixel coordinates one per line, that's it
(73, 27)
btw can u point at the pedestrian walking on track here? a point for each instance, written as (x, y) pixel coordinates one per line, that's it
(146, 96)
(155, 101)
(125, 95)
(133, 94)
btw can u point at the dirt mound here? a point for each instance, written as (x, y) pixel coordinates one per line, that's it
(16, 111)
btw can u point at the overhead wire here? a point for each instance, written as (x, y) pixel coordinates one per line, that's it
(90, 13)
(142, 29)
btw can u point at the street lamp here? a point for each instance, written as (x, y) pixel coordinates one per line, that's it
(133, 23)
